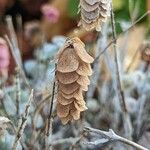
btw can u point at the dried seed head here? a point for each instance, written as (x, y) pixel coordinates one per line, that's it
(93, 13)
(72, 74)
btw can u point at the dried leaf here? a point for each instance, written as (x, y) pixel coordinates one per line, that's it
(67, 96)
(81, 52)
(84, 87)
(68, 88)
(81, 102)
(84, 69)
(64, 101)
(65, 120)
(68, 61)
(79, 106)
(67, 78)
(77, 94)
(83, 80)
(75, 114)
(62, 111)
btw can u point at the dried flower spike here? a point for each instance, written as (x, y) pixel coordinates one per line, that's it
(93, 13)
(72, 73)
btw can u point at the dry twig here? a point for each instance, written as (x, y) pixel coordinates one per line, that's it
(111, 136)
(119, 90)
(111, 42)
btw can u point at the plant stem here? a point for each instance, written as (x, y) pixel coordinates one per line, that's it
(119, 90)
(112, 137)
(111, 42)
(49, 121)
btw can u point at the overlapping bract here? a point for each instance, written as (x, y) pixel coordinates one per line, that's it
(93, 13)
(72, 74)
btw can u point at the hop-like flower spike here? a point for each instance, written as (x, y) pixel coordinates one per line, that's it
(93, 13)
(72, 73)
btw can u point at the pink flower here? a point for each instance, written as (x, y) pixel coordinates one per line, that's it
(4, 55)
(50, 13)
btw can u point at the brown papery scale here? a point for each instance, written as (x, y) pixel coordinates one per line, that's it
(94, 13)
(72, 74)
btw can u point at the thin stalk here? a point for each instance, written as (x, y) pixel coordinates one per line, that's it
(128, 29)
(111, 136)
(119, 90)
(49, 121)
(18, 91)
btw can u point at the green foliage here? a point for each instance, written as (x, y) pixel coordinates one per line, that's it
(125, 9)
(73, 8)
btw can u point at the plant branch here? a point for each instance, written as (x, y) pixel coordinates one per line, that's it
(111, 42)
(111, 136)
(119, 90)
(70, 140)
